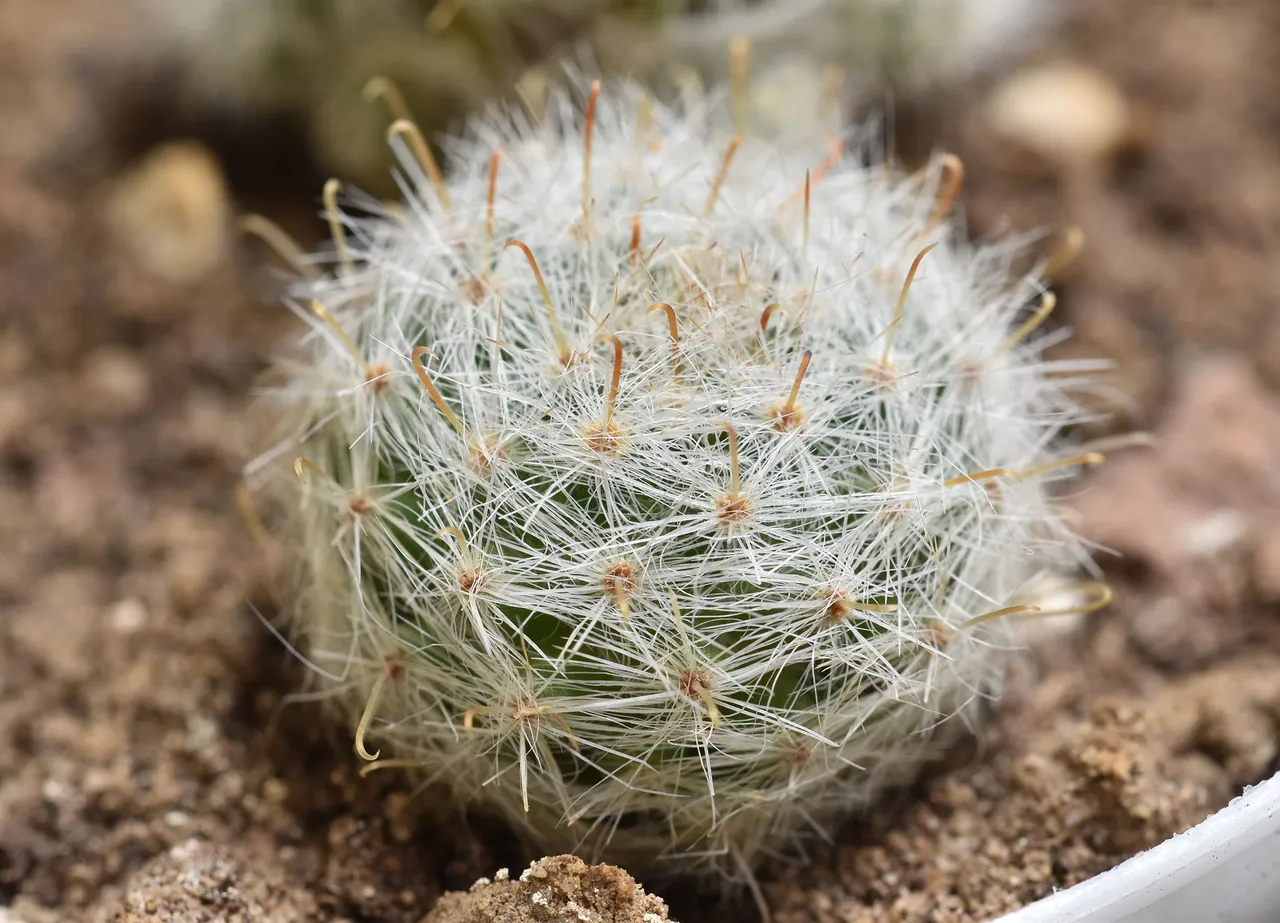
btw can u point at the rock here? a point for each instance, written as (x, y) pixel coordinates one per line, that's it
(115, 382)
(172, 212)
(1193, 508)
(197, 882)
(560, 888)
(1065, 113)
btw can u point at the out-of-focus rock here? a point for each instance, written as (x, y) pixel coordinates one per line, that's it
(197, 882)
(1064, 113)
(172, 212)
(553, 889)
(1193, 508)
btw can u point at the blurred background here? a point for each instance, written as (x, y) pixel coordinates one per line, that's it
(147, 767)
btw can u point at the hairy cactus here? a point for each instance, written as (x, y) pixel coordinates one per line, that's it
(669, 492)
(435, 61)
(905, 45)
(315, 59)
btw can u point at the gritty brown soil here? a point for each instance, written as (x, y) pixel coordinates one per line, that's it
(550, 890)
(150, 766)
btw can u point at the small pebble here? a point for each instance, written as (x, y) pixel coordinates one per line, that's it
(173, 212)
(127, 616)
(115, 381)
(1063, 112)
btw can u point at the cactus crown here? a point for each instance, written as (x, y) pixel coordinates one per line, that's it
(659, 487)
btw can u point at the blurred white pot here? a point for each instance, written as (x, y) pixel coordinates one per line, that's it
(1224, 870)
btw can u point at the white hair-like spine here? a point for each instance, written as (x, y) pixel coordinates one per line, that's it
(667, 489)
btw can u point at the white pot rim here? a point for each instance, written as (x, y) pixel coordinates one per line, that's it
(1226, 868)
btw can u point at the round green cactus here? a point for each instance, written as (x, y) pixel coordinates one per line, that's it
(667, 491)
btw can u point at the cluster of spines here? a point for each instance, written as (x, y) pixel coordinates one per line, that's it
(695, 548)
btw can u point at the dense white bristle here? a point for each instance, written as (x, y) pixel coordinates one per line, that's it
(702, 617)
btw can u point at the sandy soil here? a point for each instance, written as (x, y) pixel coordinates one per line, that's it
(149, 766)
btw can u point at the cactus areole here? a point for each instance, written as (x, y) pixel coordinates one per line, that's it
(669, 491)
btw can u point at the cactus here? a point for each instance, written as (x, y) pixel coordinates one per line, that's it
(315, 59)
(900, 45)
(669, 492)
(443, 59)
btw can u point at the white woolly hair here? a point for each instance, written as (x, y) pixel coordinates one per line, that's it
(910, 44)
(667, 491)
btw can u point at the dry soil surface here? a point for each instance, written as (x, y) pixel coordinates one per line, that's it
(149, 766)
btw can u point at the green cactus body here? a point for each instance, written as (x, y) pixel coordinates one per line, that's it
(658, 489)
